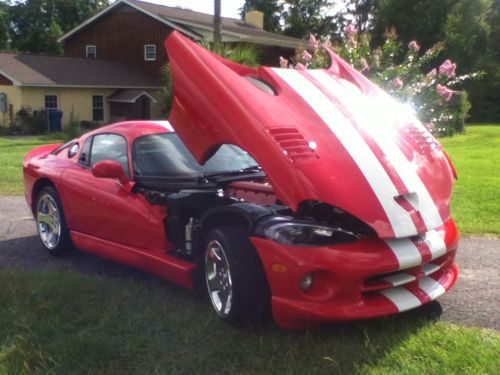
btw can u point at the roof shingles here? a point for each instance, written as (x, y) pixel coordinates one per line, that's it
(41, 70)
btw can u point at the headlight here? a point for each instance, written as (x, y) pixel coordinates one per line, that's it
(304, 234)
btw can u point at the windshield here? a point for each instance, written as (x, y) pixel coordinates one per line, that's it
(164, 155)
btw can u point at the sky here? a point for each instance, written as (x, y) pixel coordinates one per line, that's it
(229, 7)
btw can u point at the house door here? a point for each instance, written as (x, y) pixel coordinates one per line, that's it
(144, 103)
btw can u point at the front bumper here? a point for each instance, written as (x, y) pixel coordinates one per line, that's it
(366, 279)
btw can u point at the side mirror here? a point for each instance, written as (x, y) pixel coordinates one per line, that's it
(110, 169)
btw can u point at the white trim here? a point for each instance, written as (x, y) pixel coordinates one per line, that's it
(146, 58)
(15, 82)
(87, 51)
(402, 298)
(112, 6)
(134, 99)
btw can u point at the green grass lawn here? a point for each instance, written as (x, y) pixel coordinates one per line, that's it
(12, 151)
(63, 322)
(476, 200)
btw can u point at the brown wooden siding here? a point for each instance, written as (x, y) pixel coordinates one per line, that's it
(5, 81)
(121, 35)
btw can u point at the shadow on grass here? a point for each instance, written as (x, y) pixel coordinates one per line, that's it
(83, 314)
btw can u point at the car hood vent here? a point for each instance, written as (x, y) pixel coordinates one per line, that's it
(294, 145)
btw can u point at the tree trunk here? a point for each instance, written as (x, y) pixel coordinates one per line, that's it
(217, 22)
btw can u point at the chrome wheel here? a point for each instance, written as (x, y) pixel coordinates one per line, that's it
(48, 221)
(218, 278)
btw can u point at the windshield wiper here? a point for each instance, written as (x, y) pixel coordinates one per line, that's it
(253, 169)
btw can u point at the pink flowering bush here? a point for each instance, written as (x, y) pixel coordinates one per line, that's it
(411, 75)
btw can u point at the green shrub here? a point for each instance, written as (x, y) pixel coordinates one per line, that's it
(29, 121)
(246, 54)
(167, 91)
(73, 129)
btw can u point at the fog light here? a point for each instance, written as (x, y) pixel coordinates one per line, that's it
(306, 282)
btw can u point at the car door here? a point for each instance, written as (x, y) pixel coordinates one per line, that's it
(103, 207)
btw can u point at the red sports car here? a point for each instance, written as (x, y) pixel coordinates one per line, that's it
(309, 194)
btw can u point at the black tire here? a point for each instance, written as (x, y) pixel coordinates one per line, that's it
(60, 243)
(251, 297)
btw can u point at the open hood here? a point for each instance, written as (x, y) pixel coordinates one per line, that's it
(323, 135)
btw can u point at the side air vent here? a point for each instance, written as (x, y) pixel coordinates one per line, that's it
(294, 144)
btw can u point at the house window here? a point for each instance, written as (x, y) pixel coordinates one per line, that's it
(91, 51)
(97, 108)
(51, 102)
(150, 52)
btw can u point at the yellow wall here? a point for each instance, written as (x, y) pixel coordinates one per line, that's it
(77, 99)
(14, 98)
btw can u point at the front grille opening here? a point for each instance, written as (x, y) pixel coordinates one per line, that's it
(403, 277)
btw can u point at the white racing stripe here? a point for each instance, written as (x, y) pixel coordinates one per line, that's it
(402, 298)
(431, 287)
(355, 145)
(435, 243)
(398, 279)
(406, 252)
(374, 118)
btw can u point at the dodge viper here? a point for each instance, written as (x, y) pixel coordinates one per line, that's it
(309, 195)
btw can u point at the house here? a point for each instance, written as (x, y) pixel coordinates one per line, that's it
(111, 64)
(134, 31)
(95, 90)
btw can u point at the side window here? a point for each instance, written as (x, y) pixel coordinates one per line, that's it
(109, 147)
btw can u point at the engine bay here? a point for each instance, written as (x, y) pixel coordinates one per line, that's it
(192, 212)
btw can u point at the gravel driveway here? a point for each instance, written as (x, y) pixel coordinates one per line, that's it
(475, 299)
